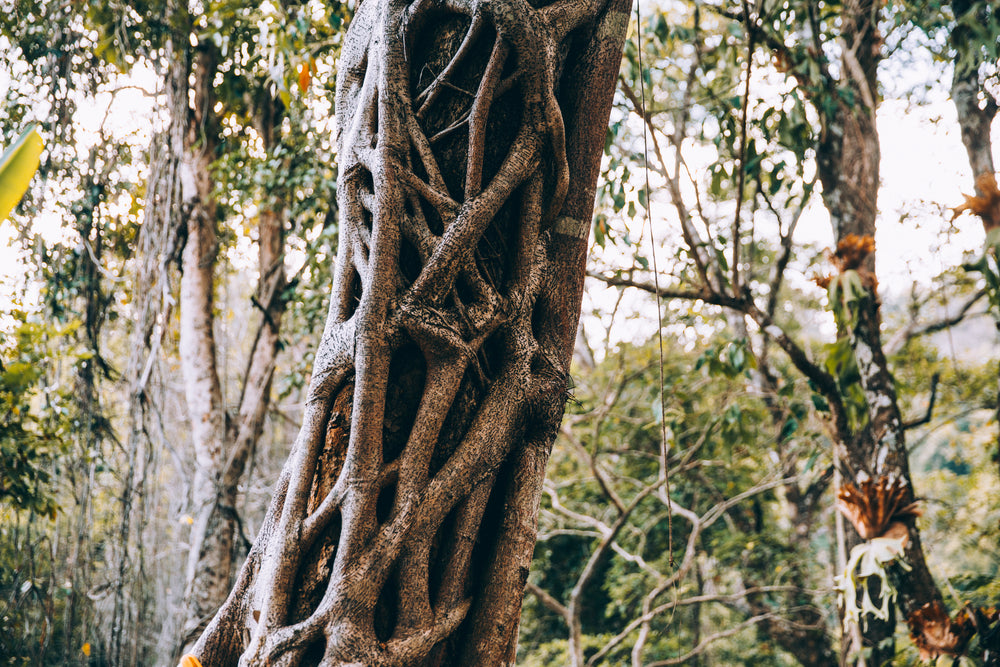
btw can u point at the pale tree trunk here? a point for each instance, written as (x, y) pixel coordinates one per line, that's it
(403, 524)
(207, 575)
(222, 442)
(156, 246)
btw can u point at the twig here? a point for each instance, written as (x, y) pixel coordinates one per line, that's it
(930, 406)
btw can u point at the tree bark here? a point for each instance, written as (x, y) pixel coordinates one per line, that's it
(975, 119)
(209, 560)
(402, 527)
(222, 441)
(848, 157)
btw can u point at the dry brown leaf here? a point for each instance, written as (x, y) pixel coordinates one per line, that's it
(872, 506)
(986, 205)
(935, 634)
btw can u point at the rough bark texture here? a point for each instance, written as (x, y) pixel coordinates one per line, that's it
(976, 108)
(208, 565)
(848, 158)
(402, 527)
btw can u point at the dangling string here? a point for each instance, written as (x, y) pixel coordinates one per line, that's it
(656, 284)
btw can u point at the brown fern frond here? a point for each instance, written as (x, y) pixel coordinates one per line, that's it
(873, 505)
(985, 204)
(822, 281)
(852, 251)
(936, 634)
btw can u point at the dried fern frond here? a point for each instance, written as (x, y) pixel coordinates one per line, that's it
(936, 634)
(872, 506)
(985, 205)
(852, 251)
(822, 281)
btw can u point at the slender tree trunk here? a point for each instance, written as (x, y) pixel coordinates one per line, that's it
(222, 442)
(975, 119)
(403, 524)
(156, 246)
(209, 564)
(848, 158)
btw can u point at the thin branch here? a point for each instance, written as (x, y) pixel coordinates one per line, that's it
(725, 599)
(478, 115)
(825, 383)
(786, 245)
(930, 406)
(785, 54)
(704, 644)
(596, 470)
(744, 112)
(445, 205)
(899, 341)
(547, 600)
(430, 94)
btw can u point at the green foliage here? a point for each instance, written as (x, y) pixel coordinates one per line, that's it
(34, 415)
(988, 266)
(977, 34)
(847, 293)
(723, 433)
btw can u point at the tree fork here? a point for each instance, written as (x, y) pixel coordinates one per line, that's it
(401, 529)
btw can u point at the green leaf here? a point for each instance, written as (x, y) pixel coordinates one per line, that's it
(788, 429)
(993, 238)
(17, 166)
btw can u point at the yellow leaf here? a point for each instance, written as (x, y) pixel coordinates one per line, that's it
(188, 519)
(190, 661)
(17, 166)
(86, 649)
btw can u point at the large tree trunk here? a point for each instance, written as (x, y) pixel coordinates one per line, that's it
(403, 524)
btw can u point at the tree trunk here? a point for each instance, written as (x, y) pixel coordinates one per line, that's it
(848, 158)
(976, 122)
(402, 527)
(209, 561)
(222, 442)
(974, 119)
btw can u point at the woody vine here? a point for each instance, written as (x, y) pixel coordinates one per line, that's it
(406, 511)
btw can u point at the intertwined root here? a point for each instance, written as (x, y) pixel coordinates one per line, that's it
(452, 175)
